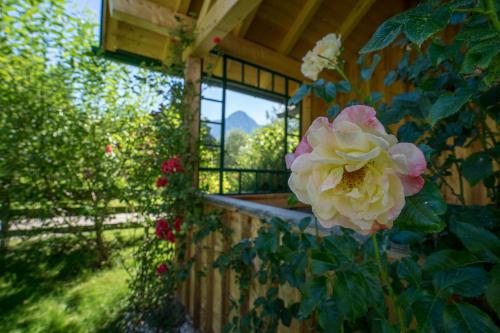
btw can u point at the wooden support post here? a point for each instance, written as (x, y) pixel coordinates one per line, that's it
(192, 95)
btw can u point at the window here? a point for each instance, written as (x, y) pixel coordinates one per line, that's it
(246, 130)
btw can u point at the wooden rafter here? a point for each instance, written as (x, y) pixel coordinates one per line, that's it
(242, 29)
(182, 6)
(356, 14)
(220, 19)
(147, 15)
(305, 15)
(231, 44)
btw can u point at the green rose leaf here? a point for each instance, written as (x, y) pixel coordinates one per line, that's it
(449, 259)
(477, 167)
(349, 293)
(424, 21)
(328, 317)
(459, 317)
(480, 55)
(390, 78)
(344, 86)
(466, 281)
(428, 310)
(478, 240)
(302, 92)
(422, 211)
(383, 36)
(322, 262)
(312, 293)
(333, 111)
(408, 270)
(493, 289)
(447, 105)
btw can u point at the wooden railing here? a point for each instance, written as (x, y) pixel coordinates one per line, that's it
(207, 298)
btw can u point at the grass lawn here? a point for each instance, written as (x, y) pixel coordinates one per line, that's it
(52, 285)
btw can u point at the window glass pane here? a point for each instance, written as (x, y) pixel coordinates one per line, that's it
(210, 133)
(293, 126)
(209, 181)
(211, 111)
(231, 181)
(279, 84)
(212, 90)
(234, 69)
(278, 182)
(294, 111)
(266, 80)
(250, 75)
(292, 143)
(247, 182)
(254, 132)
(293, 86)
(209, 156)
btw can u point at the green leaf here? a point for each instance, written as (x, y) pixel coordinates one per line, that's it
(428, 311)
(343, 247)
(333, 111)
(424, 21)
(312, 293)
(422, 210)
(408, 270)
(390, 78)
(465, 281)
(327, 91)
(344, 86)
(462, 318)
(322, 262)
(493, 289)
(304, 223)
(349, 293)
(477, 167)
(328, 317)
(383, 36)
(447, 105)
(480, 55)
(366, 73)
(478, 240)
(302, 92)
(449, 259)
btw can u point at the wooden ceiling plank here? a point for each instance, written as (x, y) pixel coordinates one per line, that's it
(221, 18)
(147, 15)
(298, 26)
(354, 17)
(242, 29)
(182, 6)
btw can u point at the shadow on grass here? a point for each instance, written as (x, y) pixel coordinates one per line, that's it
(35, 270)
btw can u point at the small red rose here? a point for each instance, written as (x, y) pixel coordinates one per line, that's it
(162, 269)
(170, 236)
(172, 165)
(162, 229)
(162, 182)
(216, 40)
(109, 149)
(177, 224)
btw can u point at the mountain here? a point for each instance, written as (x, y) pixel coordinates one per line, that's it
(237, 120)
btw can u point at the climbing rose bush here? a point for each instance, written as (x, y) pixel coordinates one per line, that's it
(323, 56)
(353, 173)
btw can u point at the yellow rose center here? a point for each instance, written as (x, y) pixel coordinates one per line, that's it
(353, 179)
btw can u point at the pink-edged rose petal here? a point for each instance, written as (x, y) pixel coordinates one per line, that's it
(415, 158)
(411, 184)
(289, 158)
(303, 148)
(363, 116)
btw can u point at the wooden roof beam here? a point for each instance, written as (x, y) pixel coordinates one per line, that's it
(298, 26)
(182, 6)
(242, 29)
(147, 15)
(355, 15)
(221, 18)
